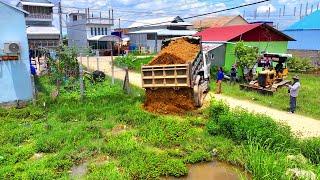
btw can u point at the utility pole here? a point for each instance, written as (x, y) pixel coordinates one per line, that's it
(60, 22)
(284, 10)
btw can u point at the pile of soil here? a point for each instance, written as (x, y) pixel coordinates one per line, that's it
(169, 101)
(179, 51)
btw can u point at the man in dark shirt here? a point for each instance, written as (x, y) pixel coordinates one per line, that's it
(233, 75)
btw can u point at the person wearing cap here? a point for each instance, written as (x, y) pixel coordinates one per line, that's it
(293, 91)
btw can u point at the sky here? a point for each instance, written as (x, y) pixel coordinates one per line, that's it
(135, 10)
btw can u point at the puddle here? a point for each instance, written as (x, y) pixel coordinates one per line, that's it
(213, 171)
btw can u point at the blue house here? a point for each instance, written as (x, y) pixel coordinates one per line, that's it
(306, 32)
(15, 77)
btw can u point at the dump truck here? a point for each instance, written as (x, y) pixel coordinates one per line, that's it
(193, 75)
(271, 71)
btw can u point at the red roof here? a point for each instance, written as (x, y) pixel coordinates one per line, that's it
(247, 32)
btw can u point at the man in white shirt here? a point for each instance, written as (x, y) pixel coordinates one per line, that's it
(294, 90)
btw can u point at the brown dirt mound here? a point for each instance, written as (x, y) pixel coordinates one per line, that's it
(179, 51)
(169, 101)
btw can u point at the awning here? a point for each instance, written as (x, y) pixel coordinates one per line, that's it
(165, 32)
(36, 4)
(105, 38)
(40, 30)
(206, 47)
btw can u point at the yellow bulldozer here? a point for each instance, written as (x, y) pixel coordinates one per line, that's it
(271, 71)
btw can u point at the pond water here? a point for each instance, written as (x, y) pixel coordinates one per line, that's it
(213, 171)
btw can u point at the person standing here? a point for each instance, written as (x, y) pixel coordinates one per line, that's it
(233, 75)
(220, 77)
(293, 91)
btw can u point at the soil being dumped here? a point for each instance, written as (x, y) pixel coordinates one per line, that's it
(179, 51)
(169, 100)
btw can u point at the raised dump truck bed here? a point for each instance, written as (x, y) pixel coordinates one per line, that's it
(192, 75)
(176, 75)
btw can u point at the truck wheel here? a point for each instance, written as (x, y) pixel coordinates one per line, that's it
(197, 93)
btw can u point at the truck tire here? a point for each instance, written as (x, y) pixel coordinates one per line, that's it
(197, 92)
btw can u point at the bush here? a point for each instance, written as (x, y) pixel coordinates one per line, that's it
(311, 149)
(300, 64)
(242, 126)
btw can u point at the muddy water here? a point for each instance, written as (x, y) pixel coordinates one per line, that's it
(213, 171)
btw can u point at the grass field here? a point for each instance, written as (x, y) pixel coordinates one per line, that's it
(132, 62)
(308, 102)
(111, 133)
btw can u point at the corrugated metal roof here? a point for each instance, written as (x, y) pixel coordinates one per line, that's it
(166, 32)
(160, 21)
(218, 21)
(248, 32)
(105, 38)
(225, 33)
(308, 22)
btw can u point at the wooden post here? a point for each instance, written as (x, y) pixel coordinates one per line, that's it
(294, 12)
(126, 83)
(280, 12)
(98, 63)
(81, 58)
(112, 66)
(81, 81)
(88, 62)
(311, 10)
(318, 6)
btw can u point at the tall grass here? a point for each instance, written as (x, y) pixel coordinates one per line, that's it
(262, 145)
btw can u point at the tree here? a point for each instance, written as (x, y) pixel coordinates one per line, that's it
(246, 56)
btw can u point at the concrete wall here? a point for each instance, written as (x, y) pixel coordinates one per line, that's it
(15, 81)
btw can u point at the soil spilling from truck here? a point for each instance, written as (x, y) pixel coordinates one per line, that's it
(179, 51)
(170, 100)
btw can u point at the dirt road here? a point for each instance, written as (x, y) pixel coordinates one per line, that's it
(302, 126)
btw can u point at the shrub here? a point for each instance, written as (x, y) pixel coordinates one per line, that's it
(243, 126)
(300, 64)
(311, 149)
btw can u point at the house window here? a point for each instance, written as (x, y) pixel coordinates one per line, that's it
(106, 31)
(102, 32)
(95, 31)
(91, 31)
(151, 36)
(98, 31)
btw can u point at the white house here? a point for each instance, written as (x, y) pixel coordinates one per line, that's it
(40, 31)
(88, 31)
(148, 34)
(15, 77)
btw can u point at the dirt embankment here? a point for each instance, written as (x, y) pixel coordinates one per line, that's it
(169, 100)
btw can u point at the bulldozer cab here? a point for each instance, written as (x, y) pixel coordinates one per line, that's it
(274, 62)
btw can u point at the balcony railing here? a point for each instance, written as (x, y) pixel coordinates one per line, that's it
(40, 16)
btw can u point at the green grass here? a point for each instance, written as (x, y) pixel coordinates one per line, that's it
(110, 132)
(307, 102)
(132, 62)
(261, 145)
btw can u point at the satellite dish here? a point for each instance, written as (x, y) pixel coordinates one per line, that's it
(14, 47)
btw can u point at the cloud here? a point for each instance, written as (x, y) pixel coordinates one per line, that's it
(265, 8)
